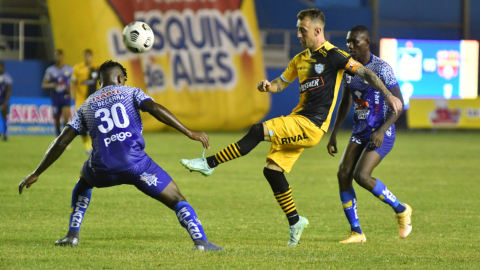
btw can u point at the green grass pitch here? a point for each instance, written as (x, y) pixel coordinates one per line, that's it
(436, 173)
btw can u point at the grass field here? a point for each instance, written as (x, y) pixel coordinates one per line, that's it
(436, 173)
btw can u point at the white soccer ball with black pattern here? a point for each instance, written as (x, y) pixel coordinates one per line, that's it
(138, 37)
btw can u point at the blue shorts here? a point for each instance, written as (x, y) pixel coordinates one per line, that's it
(383, 150)
(147, 176)
(59, 100)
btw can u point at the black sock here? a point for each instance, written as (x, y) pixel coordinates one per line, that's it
(238, 149)
(283, 194)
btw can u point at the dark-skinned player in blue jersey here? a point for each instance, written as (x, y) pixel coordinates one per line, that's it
(111, 116)
(372, 138)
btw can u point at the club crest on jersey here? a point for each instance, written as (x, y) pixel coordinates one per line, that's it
(149, 179)
(319, 68)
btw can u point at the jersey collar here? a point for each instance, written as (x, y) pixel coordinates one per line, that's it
(323, 45)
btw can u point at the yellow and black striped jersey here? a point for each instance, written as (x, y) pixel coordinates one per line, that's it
(320, 75)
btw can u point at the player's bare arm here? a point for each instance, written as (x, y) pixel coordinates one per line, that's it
(53, 153)
(376, 139)
(165, 116)
(342, 114)
(73, 89)
(48, 86)
(274, 86)
(393, 102)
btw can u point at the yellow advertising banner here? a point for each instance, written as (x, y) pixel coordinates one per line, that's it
(444, 113)
(204, 65)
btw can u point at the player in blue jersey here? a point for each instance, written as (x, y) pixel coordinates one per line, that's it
(5, 92)
(57, 81)
(372, 138)
(111, 115)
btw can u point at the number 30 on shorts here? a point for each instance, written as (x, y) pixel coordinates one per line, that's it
(116, 119)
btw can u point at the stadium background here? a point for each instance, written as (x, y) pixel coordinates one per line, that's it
(31, 29)
(435, 171)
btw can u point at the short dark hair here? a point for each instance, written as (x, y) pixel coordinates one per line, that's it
(361, 29)
(111, 64)
(60, 51)
(314, 15)
(87, 51)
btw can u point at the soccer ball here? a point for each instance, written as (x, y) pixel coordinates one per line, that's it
(138, 37)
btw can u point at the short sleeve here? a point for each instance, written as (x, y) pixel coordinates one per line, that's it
(77, 123)
(139, 97)
(342, 60)
(388, 77)
(48, 75)
(290, 74)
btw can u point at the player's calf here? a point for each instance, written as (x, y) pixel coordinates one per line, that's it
(235, 150)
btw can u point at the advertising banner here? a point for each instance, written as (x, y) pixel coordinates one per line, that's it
(442, 113)
(31, 116)
(204, 65)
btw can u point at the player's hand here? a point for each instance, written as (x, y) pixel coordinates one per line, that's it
(394, 103)
(263, 86)
(201, 137)
(376, 139)
(28, 181)
(332, 146)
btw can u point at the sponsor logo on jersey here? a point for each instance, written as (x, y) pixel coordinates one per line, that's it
(311, 83)
(117, 137)
(361, 106)
(293, 139)
(190, 224)
(106, 94)
(319, 68)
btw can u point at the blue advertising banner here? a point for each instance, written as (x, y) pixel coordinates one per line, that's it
(31, 116)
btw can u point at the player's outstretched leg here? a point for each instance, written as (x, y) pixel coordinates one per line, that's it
(362, 175)
(283, 195)
(347, 193)
(235, 150)
(187, 217)
(81, 195)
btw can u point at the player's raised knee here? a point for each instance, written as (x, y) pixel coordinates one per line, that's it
(362, 177)
(257, 131)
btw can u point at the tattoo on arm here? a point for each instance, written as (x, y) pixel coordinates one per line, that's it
(373, 80)
(279, 88)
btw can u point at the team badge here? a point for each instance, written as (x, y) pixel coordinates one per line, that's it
(319, 68)
(149, 179)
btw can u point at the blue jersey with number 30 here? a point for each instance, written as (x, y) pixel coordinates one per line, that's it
(112, 117)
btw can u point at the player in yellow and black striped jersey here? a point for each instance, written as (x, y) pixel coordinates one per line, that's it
(319, 69)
